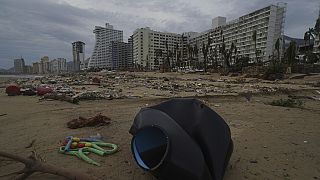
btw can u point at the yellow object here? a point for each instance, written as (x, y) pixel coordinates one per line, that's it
(74, 145)
(87, 144)
(76, 139)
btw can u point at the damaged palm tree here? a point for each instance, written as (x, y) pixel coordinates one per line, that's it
(34, 164)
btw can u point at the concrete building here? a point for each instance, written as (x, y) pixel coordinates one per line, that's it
(36, 68)
(130, 52)
(19, 65)
(121, 55)
(317, 39)
(28, 69)
(58, 66)
(218, 21)
(102, 55)
(78, 52)
(70, 66)
(150, 50)
(268, 23)
(44, 65)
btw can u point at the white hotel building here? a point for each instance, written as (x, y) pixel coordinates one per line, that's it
(268, 22)
(147, 43)
(102, 55)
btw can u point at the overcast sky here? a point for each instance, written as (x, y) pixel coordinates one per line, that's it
(35, 28)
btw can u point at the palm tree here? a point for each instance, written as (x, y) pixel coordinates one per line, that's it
(223, 51)
(176, 48)
(254, 39)
(277, 47)
(291, 53)
(205, 50)
(190, 53)
(158, 53)
(231, 52)
(235, 54)
(167, 62)
(308, 36)
(195, 51)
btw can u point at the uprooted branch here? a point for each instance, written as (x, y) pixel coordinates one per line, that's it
(32, 165)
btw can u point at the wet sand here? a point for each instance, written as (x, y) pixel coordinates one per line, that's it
(269, 142)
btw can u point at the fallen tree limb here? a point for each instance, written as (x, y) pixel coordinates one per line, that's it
(32, 165)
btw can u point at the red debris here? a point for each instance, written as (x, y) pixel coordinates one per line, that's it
(43, 90)
(13, 90)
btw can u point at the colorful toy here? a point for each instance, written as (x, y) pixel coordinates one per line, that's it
(81, 147)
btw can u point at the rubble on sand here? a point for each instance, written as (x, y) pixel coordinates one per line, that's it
(98, 120)
(61, 97)
(92, 95)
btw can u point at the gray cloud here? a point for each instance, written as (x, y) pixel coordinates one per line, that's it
(35, 28)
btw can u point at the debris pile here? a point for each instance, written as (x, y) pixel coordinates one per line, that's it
(13, 90)
(98, 120)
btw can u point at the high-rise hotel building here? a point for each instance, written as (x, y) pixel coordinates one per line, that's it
(102, 53)
(78, 52)
(149, 47)
(268, 23)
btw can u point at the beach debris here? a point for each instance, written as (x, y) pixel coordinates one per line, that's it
(28, 92)
(30, 144)
(305, 97)
(98, 120)
(61, 97)
(92, 95)
(81, 147)
(34, 164)
(13, 89)
(3, 114)
(247, 95)
(287, 103)
(42, 90)
(96, 80)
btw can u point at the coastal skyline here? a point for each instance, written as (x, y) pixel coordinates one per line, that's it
(35, 28)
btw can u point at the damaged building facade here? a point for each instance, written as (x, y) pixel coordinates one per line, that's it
(150, 51)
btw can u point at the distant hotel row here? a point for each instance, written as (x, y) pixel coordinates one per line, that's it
(149, 49)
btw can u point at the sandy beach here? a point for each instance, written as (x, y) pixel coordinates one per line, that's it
(270, 142)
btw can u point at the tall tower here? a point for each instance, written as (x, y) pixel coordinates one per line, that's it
(102, 53)
(78, 49)
(19, 66)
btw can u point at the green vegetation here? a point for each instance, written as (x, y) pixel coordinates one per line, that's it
(287, 103)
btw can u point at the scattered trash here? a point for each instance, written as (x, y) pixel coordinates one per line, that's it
(13, 90)
(96, 80)
(98, 120)
(92, 95)
(44, 90)
(81, 147)
(61, 97)
(287, 103)
(3, 114)
(28, 92)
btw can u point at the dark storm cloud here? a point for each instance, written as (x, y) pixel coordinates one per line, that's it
(35, 28)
